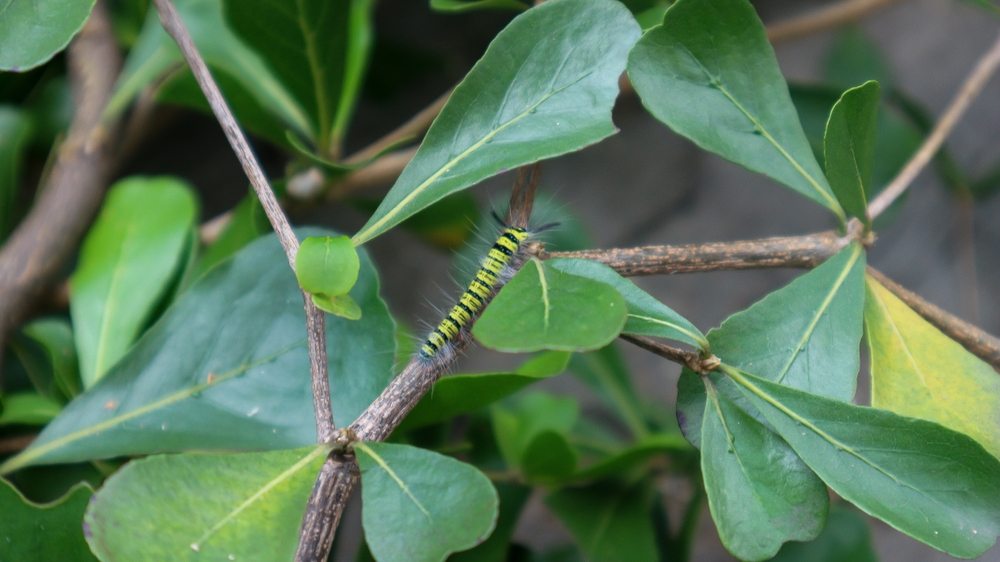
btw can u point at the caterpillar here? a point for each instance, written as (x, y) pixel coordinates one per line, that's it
(496, 269)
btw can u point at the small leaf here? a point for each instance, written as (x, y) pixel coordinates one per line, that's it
(327, 265)
(420, 506)
(545, 87)
(548, 457)
(918, 371)
(27, 408)
(247, 504)
(246, 224)
(710, 74)
(227, 368)
(15, 133)
(846, 538)
(544, 308)
(128, 260)
(32, 31)
(464, 394)
(513, 497)
(517, 425)
(646, 315)
(610, 522)
(48, 355)
(759, 491)
(850, 148)
(932, 483)
(30, 532)
(340, 305)
(470, 5)
(635, 455)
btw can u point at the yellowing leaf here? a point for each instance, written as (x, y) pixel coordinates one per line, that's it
(917, 371)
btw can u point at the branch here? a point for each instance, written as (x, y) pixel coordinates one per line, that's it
(833, 15)
(314, 317)
(689, 359)
(984, 69)
(795, 251)
(977, 341)
(38, 250)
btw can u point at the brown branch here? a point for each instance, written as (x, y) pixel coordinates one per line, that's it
(795, 251)
(984, 69)
(37, 251)
(314, 317)
(690, 359)
(833, 15)
(977, 341)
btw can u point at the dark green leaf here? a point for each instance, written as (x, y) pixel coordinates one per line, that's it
(247, 222)
(340, 305)
(247, 504)
(421, 506)
(464, 394)
(494, 549)
(606, 373)
(548, 457)
(226, 367)
(30, 532)
(849, 146)
(635, 455)
(127, 262)
(545, 87)
(317, 48)
(327, 265)
(932, 483)
(27, 408)
(610, 523)
(55, 336)
(544, 308)
(855, 59)
(759, 491)
(15, 132)
(710, 74)
(470, 5)
(516, 426)
(846, 538)
(646, 315)
(32, 31)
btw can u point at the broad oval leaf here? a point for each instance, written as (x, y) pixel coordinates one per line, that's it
(918, 371)
(934, 484)
(545, 87)
(495, 548)
(227, 368)
(31, 532)
(805, 335)
(247, 504)
(548, 457)
(646, 315)
(517, 424)
(846, 538)
(849, 147)
(420, 506)
(129, 259)
(759, 492)
(710, 74)
(327, 265)
(32, 31)
(544, 308)
(609, 521)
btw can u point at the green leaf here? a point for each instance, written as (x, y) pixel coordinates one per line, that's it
(846, 538)
(420, 506)
(635, 455)
(917, 371)
(247, 504)
(32, 31)
(48, 354)
(646, 315)
(545, 87)
(30, 532)
(517, 425)
(227, 368)
(855, 59)
(548, 457)
(544, 308)
(471, 5)
(317, 48)
(15, 133)
(605, 372)
(464, 394)
(155, 53)
(849, 146)
(27, 408)
(327, 265)
(932, 483)
(513, 497)
(805, 335)
(710, 74)
(248, 222)
(340, 305)
(760, 493)
(610, 522)
(127, 262)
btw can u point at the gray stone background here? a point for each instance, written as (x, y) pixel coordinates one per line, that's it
(647, 185)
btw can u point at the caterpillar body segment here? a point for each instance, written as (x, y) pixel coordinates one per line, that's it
(479, 292)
